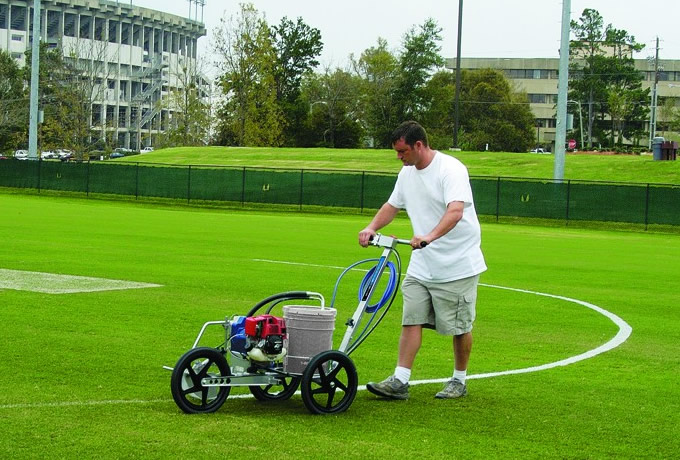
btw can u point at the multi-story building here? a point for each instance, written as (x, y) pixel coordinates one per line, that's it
(538, 78)
(137, 55)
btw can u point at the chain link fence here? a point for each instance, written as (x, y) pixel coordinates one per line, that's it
(568, 200)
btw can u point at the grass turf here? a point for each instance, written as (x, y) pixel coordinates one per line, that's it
(618, 168)
(82, 372)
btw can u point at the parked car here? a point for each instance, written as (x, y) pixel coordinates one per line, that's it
(3, 157)
(539, 150)
(21, 155)
(117, 155)
(146, 150)
(123, 150)
(48, 155)
(64, 154)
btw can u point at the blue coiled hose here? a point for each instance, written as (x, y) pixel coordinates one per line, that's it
(366, 285)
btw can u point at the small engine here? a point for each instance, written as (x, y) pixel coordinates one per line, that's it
(264, 338)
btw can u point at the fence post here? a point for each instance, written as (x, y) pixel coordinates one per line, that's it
(137, 181)
(302, 175)
(189, 185)
(498, 196)
(243, 187)
(647, 208)
(39, 172)
(361, 197)
(87, 179)
(568, 198)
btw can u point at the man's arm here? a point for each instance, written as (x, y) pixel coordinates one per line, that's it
(453, 214)
(383, 217)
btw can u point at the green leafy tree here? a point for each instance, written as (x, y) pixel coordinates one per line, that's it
(297, 47)
(378, 70)
(588, 67)
(13, 104)
(438, 113)
(419, 58)
(249, 113)
(604, 79)
(333, 109)
(394, 85)
(191, 121)
(493, 114)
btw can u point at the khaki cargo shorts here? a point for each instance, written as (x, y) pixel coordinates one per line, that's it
(447, 307)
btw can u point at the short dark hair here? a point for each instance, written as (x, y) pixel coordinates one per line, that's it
(411, 131)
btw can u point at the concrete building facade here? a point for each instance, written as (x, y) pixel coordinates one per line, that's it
(136, 54)
(538, 78)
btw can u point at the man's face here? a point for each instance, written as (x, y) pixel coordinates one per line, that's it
(407, 154)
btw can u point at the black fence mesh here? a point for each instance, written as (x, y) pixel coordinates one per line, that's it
(495, 196)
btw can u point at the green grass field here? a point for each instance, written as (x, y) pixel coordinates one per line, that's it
(82, 373)
(619, 168)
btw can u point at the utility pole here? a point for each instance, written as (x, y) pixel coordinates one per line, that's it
(456, 109)
(652, 117)
(35, 76)
(562, 86)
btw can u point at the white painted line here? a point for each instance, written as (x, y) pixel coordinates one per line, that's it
(53, 283)
(622, 335)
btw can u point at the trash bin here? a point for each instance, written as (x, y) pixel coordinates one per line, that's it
(669, 150)
(657, 151)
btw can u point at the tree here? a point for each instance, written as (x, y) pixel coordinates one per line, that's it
(248, 113)
(438, 110)
(13, 104)
(394, 84)
(587, 47)
(670, 114)
(493, 114)
(297, 47)
(604, 78)
(191, 122)
(333, 109)
(418, 60)
(378, 70)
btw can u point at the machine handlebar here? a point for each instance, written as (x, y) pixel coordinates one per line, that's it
(391, 242)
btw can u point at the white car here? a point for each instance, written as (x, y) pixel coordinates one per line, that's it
(539, 150)
(48, 155)
(21, 155)
(146, 150)
(64, 154)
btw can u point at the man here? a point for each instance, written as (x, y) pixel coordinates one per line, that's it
(440, 287)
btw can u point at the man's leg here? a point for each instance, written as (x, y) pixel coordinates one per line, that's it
(456, 388)
(396, 386)
(409, 344)
(462, 346)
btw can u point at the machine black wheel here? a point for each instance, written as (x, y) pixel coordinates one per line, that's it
(281, 392)
(329, 383)
(188, 392)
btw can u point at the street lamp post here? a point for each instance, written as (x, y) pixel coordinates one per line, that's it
(580, 118)
(33, 103)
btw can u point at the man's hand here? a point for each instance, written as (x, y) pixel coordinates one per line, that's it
(365, 236)
(419, 242)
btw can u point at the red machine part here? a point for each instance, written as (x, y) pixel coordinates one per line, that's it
(263, 326)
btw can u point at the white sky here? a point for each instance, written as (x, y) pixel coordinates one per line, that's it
(491, 28)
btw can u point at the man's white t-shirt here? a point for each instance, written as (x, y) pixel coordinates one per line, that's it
(425, 194)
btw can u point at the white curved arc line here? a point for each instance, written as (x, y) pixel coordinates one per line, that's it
(621, 336)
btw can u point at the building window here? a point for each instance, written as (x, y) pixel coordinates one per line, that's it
(99, 28)
(113, 31)
(18, 16)
(537, 99)
(3, 16)
(17, 38)
(17, 56)
(85, 22)
(69, 24)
